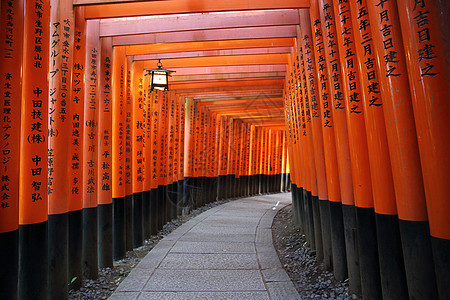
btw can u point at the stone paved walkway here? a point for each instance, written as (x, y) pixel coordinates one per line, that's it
(223, 253)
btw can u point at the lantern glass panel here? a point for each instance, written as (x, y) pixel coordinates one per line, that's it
(159, 78)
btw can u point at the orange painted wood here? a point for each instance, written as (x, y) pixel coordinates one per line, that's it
(33, 200)
(11, 90)
(380, 162)
(91, 115)
(398, 112)
(59, 107)
(118, 121)
(208, 45)
(359, 154)
(428, 73)
(137, 129)
(94, 11)
(105, 122)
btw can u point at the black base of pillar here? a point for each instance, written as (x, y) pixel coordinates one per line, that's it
(146, 219)
(153, 211)
(441, 255)
(33, 261)
(90, 252)
(351, 248)
(9, 262)
(174, 200)
(309, 218)
(221, 187)
(390, 255)
(105, 236)
(324, 207)
(129, 222)
(419, 264)
(161, 206)
(320, 231)
(368, 253)
(58, 231)
(187, 198)
(180, 195)
(338, 241)
(119, 229)
(138, 236)
(75, 272)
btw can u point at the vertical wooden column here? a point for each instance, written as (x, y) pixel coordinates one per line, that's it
(346, 111)
(284, 162)
(171, 195)
(333, 60)
(155, 142)
(188, 153)
(403, 148)
(33, 189)
(310, 183)
(215, 160)
(61, 30)
(333, 179)
(323, 130)
(118, 152)
(163, 129)
(230, 139)
(128, 154)
(176, 157)
(297, 189)
(90, 155)
(76, 150)
(247, 161)
(11, 37)
(425, 35)
(302, 159)
(392, 268)
(362, 185)
(148, 200)
(181, 152)
(276, 157)
(221, 162)
(137, 162)
(257, 161)
(105, 206)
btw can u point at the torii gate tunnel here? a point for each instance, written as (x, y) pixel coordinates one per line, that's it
(343, 103)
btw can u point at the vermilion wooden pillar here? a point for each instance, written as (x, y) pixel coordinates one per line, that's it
(90, 153)
(137, 131)
(105, 107)
(76, 150)
(162, 168)
(335, 192)
(425, 36)
(403, 148)
(392, 268)
(128, 175)
(59, 97)
(118, 152)
(33, 153)
(148, 200)
(155, 159)
(11, 19)
(323, 127)
(182, 149)
(188, 155)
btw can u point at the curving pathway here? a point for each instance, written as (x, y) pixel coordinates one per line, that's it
(223, 253)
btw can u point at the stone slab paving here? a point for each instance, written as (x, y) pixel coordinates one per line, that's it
(223, 253)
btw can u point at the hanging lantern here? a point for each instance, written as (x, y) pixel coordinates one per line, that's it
(160, 78)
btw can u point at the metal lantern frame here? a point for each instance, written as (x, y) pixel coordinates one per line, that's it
(160, 71)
